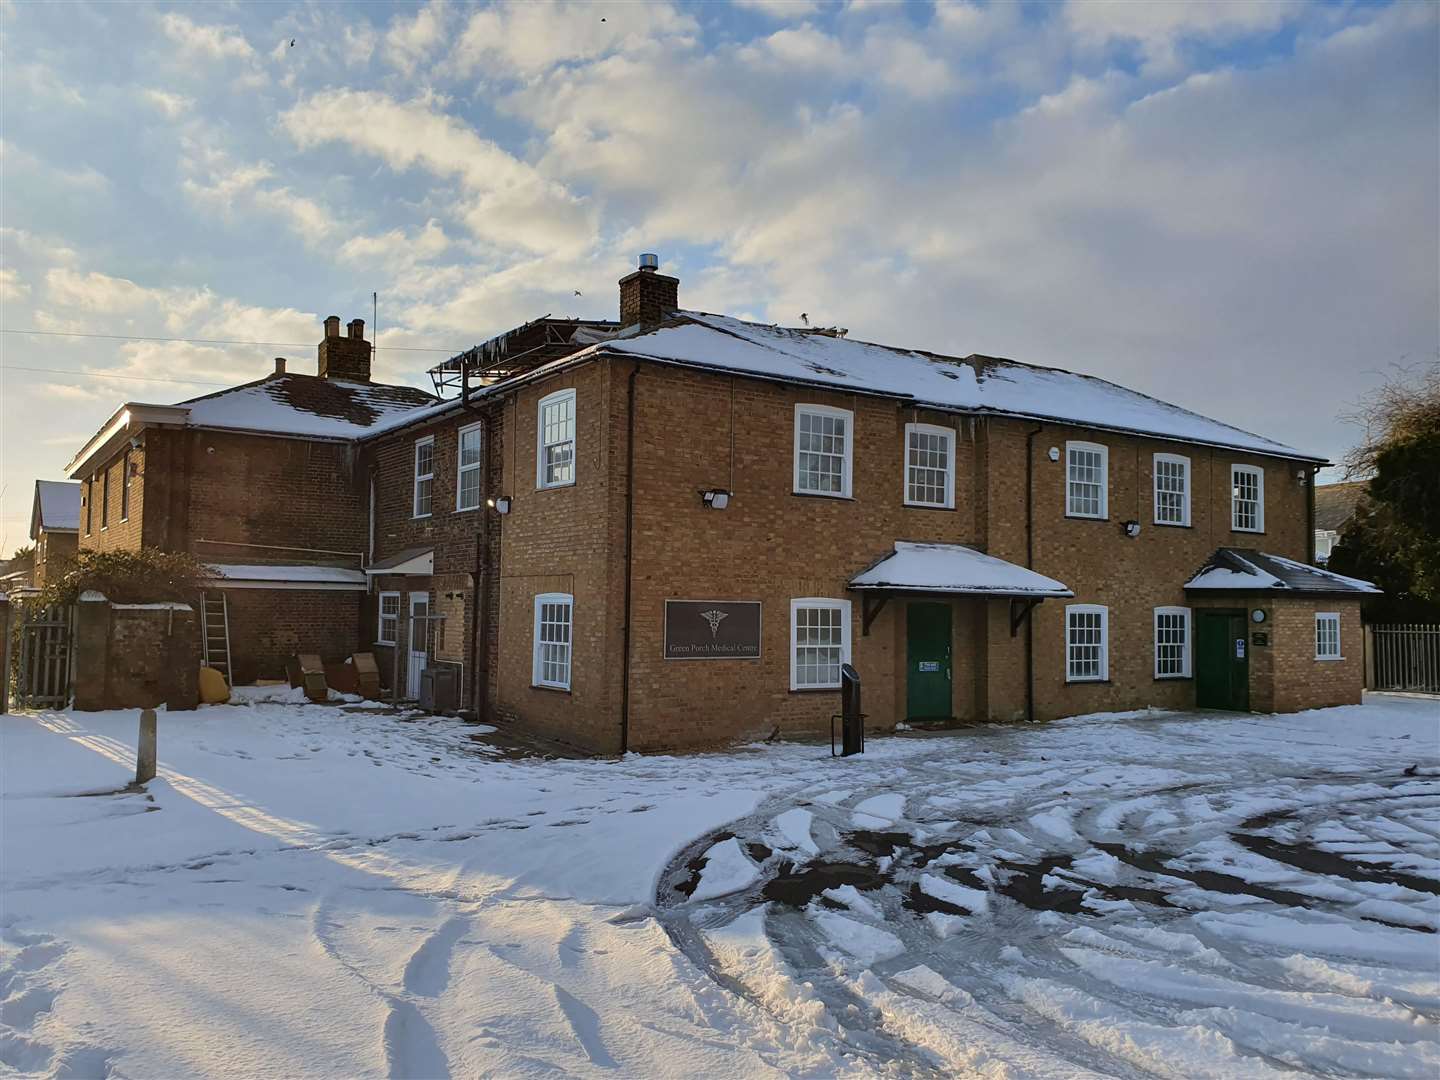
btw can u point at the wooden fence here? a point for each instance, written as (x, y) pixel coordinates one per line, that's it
(1403, 656)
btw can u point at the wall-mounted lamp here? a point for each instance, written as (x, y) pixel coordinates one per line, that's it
(716, 498)
(1132, 529)
(500, 504)
(1054, 453)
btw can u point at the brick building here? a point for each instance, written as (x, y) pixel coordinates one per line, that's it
(54, 527)
(673, 530)
(261, 482)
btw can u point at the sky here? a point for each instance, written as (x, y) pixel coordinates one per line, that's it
(1232, 206)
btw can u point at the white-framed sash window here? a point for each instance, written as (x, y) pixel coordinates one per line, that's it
(819, 642)
(1172, 643)
(555, 440)
(1172, 489)
(1247, 498)
(824, 448)
(1327, 635)
(1087, 643)
(929, 466)
(554, 620)
(424, 476)
(386, 628)
(469, 452)
(1087, 480)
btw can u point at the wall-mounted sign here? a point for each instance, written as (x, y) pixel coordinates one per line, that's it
(1260, 638)
(712, 629)
(1239, 648)
(929, 665)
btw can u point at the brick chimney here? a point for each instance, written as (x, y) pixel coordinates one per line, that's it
(346, 358)
(648, 296)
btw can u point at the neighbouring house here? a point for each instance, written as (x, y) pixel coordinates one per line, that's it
(260, 482)
(1335, 505)
(674, 530)
(54, 526)
(17, 574)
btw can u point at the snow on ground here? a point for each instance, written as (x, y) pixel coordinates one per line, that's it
(330, 890)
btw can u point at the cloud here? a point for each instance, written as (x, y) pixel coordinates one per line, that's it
(780, 9)
(11, 287)
(409, 42)
(94, 291)
(205, 41)
(506, 201)
(172, 105)
(1158, 28)
(397, 245)
(306, 216)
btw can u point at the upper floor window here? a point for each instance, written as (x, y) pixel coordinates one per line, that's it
(1247, 498)
(389, 619)
(125, 486)
(1172, 489)
(554, 618)
(1327, 635)
(424, 476)
(929, 465)
(105, 498)
(1087, 643)
(819, 642)
(1087, 473)
(823, 450)
(1172, 642)
(467, 468)
(555, 435)
(89, 503)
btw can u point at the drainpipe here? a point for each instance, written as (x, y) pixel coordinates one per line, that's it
(629, 561)
(1314, 471)
(1030, 565)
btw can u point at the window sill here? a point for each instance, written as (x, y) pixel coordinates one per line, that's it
(466, 509)
(815, 689)
(822, 495)
(420, 517)
(1174, 678)
(1328, 659)
(552, 689)
(552, 487)
(927, 506)
(1172, 524)
(383, 644)
(1088, 682)
(1087, 517)
(1248, 532)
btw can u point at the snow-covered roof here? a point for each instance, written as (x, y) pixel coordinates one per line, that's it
(294, 576)
(952, 568)
(416, 560)
(56, 507)
(974, 383)
(1246, 570)
(305, 405)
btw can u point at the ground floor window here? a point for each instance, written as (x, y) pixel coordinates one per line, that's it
(819, 642)
(385, 631)
(554, 614)
(1327, 636)
(1087, 643)
(1172, 642)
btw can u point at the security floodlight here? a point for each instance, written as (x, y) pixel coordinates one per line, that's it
(500, 504)
(715, 499)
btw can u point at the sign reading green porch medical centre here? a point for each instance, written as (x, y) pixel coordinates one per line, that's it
(712, 629)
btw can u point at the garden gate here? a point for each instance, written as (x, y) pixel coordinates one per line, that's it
(1405, 657)
(43, 656)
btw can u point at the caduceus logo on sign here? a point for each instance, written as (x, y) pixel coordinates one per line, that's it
(714, 618)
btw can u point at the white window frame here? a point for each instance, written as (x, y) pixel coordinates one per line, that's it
(1104, 452)
(1328, 616)
(948, 434)
(1259, 475)
(843, 607)
(417, 476)
(1186, 668)
(1104, 613)
(461, 468)
(536, 666)
(1184, 463)
(381, 619)
(541, 446)
(847, 465)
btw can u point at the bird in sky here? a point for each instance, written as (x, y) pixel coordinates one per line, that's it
(805, 318)
(579, 293)
(292, 43)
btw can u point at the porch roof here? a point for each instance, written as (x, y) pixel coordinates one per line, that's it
(1246, 570)
(954, 569)
(416, 561)
(286, 576)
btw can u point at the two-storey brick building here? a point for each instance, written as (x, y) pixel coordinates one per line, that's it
(262, 483)
(673, 531)
(54, 528)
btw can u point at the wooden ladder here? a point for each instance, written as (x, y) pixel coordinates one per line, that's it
(215, 632)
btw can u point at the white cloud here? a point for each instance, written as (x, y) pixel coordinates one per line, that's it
(11, 286)
(172, 105)
(94, 291)
(397, 246)
(205, 40)
(307, 217)
(1159, 27)
(410, 42)
(780, 9)
(902, 61)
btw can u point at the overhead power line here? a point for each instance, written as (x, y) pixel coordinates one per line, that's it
(220, 341)
(104, 375)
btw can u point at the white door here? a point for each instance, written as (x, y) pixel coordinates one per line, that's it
(419, 638)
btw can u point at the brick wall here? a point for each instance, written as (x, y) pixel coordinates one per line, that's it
(52, 551)
(269, 626)
(136, 656)
(121, 528)
(1299, 680)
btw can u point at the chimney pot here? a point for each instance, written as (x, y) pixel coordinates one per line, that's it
(649, 261)
(347, 357)
(279, 365)
(357, 328)
(332, 326)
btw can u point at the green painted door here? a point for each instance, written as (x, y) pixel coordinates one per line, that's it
(927, 654)
(1222, 661)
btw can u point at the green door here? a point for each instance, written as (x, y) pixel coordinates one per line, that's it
(927, 661)
(1222, 661)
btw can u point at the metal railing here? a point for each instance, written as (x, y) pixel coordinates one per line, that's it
(1405, 656)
